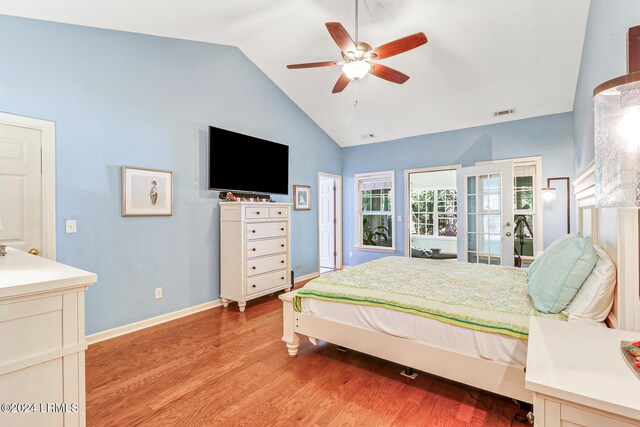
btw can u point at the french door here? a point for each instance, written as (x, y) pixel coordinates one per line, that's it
(485, 214)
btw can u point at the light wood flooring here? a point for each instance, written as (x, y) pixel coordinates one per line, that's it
(223, 367)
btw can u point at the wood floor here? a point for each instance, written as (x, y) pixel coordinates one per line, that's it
(223, 367)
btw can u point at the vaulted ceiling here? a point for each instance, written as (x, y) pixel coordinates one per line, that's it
(482, 55)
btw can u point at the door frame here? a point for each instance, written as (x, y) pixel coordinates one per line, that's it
(48, 175)
(407, 200)
(338, 209)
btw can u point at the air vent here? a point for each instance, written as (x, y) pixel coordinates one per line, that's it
(504, 112)
(367, 136)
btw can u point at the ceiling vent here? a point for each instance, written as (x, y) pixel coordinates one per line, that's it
(367, 136)
(504, 112)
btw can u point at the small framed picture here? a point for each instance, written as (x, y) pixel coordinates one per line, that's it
(301, 197)
(146, 192)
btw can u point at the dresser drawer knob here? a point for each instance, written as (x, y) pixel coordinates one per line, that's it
(282, 278)
(253, 268)
(279, 213)
(282, 229)
(253, 286)
(253, 231)
(282, 245)
(257, 212)
(282, 262)
(253, 249)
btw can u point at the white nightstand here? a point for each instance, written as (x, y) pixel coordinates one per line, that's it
(578, 376)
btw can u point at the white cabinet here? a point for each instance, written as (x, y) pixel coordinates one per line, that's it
(43, 344)
(255, 256)
(578, 376)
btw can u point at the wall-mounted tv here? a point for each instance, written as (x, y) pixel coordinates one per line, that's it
(247, 164)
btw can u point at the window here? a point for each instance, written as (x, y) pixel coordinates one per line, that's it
(434, 212)
(374, 210)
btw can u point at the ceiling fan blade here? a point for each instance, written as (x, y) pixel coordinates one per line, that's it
(341, 36)
(398, 46)
(312, 65)
(342, 82)
(389, 74)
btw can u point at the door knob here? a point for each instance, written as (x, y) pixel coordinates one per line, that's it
(508, 234)
(34, 251)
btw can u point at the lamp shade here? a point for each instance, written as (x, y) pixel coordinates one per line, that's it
(356, 70)
(548, 198)
(617, 142)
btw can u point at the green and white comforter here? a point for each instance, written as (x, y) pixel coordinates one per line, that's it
(476, 296)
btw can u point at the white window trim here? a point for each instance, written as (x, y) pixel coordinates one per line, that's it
(407, 199)
(357, 211)
(435, 214)
(538, 237)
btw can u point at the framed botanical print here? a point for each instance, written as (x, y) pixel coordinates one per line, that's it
(146, 192)
(301, 197)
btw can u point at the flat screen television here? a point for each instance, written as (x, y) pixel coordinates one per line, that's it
(247, 164)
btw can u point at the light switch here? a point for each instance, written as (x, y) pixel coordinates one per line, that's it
(70, 226)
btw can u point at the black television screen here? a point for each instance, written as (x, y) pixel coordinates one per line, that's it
(247, 164)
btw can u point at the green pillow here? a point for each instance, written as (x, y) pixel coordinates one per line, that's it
(558, 275)
(536, 262)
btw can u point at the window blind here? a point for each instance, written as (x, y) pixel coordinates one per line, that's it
(374, 183)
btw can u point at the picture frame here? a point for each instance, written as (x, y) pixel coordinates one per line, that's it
(146, 192)
(301, 197)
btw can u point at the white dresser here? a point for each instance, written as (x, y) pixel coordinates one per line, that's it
(255, 254)
(578, 376)
(42, 342)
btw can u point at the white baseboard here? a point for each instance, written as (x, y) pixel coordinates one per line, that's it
(306, 277)
(136, 326)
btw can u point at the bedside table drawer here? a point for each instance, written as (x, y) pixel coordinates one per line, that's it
(264, 265)
(266, 281)
(256, 248)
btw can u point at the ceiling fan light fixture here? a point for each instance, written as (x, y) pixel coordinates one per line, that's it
(356, 70)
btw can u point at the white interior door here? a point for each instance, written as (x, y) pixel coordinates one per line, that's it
(485, 214)
(21, 187)
(327, 223)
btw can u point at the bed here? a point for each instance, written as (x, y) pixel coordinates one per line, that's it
(464, 322)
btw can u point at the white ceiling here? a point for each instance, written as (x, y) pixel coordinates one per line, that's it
(482, 55)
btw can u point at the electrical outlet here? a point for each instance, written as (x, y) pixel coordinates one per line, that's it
(70, 226)
(158, 293)
(399, 218)
(351, 254)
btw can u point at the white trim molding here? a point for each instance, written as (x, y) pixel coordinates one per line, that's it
(48, 131)
(407, 203)
(309, 276)
(147, 323)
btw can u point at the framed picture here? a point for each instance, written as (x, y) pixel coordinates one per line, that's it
(301, 197)
(146, 192)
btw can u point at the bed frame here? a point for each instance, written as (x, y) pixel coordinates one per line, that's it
(604, 226)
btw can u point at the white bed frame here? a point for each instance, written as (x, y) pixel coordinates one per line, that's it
(496, 377)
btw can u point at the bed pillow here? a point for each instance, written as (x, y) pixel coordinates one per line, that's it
(595, 297)
(560, 274)
(536, 262)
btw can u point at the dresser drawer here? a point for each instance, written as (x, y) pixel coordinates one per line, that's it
(264, 265)
(257, 248)
(266, 229)
(256, 213)
(267, 281)
(279, 212)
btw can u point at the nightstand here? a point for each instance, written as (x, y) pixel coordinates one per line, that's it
(578, 376)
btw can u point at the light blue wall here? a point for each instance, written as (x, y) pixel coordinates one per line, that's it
(604, 57)
(127, 99)
(549, 136)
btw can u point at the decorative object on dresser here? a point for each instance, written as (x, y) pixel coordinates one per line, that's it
(42, 333)
(255, 254)
(301, 197)
(146, 192)
(578, 377)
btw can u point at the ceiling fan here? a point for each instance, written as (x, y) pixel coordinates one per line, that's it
(359, 58)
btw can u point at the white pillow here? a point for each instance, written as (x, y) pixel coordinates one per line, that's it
(595, 297)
